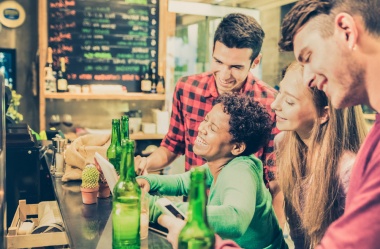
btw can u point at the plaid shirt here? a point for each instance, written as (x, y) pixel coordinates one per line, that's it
(192, 100)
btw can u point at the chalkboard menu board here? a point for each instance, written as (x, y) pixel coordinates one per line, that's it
(104, 41)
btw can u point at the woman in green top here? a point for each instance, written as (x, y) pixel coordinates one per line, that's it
(239, 205)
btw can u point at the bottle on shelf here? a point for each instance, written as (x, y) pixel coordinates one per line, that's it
(126, 203)
(114, 150)
(59, 144)
(124, 129)
(62, 85)
(161, 85)
(50, 80)
(49, 59)
(146, 83)
(153, 72)
(154, 88)
(197, 232)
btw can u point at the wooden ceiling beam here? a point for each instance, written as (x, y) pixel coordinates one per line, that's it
(252, 4)
(264, 4)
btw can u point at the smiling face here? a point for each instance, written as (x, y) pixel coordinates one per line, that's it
(331, 64)
(230, 67)
(214, 139)
(294, 107)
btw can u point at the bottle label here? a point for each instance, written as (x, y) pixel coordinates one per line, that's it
(50, 85)
(146, 85)
(48, 71)
(50, 81)
(62, 84)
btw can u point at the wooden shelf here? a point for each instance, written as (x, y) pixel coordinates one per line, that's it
(143, 136)
(121, 96)
(138, 136)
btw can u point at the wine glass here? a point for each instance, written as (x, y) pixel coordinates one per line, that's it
(67, 120)
(54, 120)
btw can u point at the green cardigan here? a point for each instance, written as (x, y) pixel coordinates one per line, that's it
(239, 205)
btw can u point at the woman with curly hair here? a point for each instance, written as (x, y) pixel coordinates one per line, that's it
(239, 205)
(315, 153)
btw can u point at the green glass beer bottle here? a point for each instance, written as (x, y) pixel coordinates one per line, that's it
(197, 234)
(124, 128)
(114, 150)
(126, 205)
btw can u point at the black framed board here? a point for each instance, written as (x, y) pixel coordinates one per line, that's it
(104, 41)
(8, 66)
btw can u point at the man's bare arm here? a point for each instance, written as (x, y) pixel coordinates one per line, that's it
(158, 160)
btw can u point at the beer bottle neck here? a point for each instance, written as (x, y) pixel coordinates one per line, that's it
(49, 59)
(115, 136)
(198, 201)
(127, 165)
(124, 128)
(62, 65)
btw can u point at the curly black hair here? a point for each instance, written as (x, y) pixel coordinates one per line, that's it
(249, 122)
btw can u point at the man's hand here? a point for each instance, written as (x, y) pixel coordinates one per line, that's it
(144, 184)
(141, 164)
(174, 225)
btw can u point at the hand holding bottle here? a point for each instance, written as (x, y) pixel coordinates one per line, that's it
(144, 184)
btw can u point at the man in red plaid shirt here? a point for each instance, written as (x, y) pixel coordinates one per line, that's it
(237, 45)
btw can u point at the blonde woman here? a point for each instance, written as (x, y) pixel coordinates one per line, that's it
(315, 153)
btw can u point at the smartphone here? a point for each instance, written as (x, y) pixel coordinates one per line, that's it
(167, 207)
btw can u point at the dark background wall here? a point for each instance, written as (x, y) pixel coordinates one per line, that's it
(25, 40)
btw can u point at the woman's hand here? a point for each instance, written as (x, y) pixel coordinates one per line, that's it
(144, 184)
(174, 225)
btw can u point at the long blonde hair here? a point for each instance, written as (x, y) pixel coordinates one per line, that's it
(308, 176)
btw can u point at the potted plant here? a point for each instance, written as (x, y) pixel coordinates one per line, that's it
(104, 189)
(90, 184)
